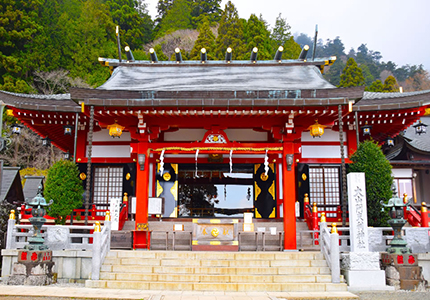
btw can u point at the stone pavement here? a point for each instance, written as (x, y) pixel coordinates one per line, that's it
(78, 292)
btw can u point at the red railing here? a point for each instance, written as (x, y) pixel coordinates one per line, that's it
(415, 217)
(94, 214)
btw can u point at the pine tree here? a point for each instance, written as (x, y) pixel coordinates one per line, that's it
(205, 8)
(257, 35)
(334, 72)
(177, 17)
(291, 49)
(368, 77)
(352, 75)
(206, 39)
(281, 32)
(133, 20)
(390, 85)
(376, 86)
(369, 159)
(230, 34)
(19, 25)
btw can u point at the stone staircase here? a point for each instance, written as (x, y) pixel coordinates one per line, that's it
(158, 242)
(216, 271)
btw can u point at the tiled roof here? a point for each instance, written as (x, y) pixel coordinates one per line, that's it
(373, 95)
(419, 142)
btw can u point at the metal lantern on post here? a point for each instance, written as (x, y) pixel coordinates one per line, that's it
(420, 128)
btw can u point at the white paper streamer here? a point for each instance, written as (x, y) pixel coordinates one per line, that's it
(266, 164)
(197, 155)
(231, 161)
(162, 162)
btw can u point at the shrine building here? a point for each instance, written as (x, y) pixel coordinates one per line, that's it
(216, 139)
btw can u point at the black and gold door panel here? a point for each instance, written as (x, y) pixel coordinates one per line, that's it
(265, 191)
(167, 187)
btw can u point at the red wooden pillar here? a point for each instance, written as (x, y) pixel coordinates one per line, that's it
(289, 191)
(142, 193)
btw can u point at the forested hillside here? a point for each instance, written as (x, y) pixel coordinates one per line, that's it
(46, 46)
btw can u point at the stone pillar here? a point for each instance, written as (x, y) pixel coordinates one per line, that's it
(360, 267)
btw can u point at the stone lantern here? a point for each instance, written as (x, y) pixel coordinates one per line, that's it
(398, 244)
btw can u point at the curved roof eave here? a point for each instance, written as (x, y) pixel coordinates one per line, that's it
(389, 101)
(59, 102)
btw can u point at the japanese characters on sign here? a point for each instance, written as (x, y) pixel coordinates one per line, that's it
(357, 212)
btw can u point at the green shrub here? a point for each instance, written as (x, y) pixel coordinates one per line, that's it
(65, 188)
(369, 159)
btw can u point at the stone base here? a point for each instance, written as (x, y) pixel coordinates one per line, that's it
(31, 273)
(373, 279)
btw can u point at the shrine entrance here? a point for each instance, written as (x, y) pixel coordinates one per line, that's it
(215, 190)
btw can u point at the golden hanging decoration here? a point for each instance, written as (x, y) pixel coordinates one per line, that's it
(82, 176)
(316, 130)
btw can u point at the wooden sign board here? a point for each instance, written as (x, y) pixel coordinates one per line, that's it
(155, 206)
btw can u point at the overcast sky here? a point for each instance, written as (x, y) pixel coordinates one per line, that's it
(399, 29)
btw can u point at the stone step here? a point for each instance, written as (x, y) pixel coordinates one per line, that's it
(216, 263)
(205, 286)
(216, 270)
(210, 255)
(294, 278)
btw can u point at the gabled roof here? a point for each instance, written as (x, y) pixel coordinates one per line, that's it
(31, 186)
(11, 187)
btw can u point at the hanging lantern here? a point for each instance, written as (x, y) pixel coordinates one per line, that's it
(389, 142)
(16, 128)
(115, 130)
(420, 128)
(46, 142)
(316, 130)
(66, 155)
(68, 129)
(366, 129)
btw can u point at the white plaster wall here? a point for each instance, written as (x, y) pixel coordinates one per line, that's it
(103, 136)
(185, 135)
(110, 151)
(322, 151)
(244, 135)
(402, 173)
(328, 136)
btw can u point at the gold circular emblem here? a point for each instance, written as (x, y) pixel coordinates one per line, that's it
(304, 177)
(127, 177)
(166, 176)
(82, 176)
(215, 138)
(264, 177)
(215, 232)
